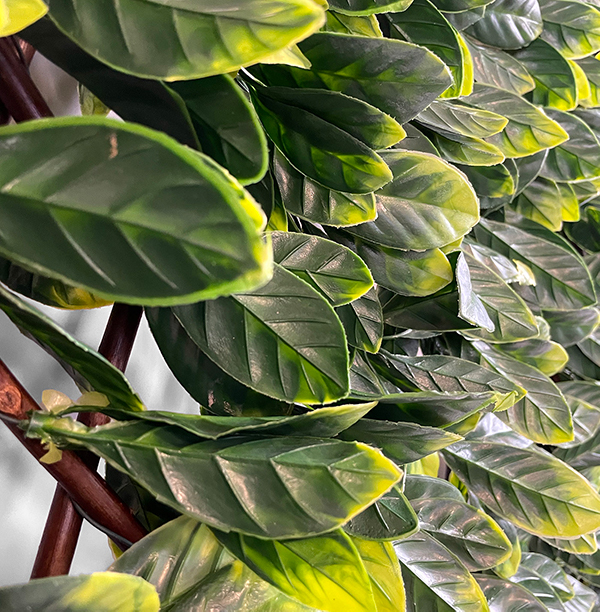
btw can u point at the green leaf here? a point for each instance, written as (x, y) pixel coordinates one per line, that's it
(584, 400)
(432, 409)
(62, 216)
(470, 305)
(570, 327)
(584, 455)
(528, 169)
(510, 271)
(383, 568)
(162, 109)
(447, 374)
(48, 291)
(555, 83)
(217, 392)
(226, 124)
(435, 579)
(499, 69)
(401, 442)
(294, 340)
(368, 7)
(324, 572)
(330, 268)
(489, 181)
(88, 368)
(416, 141)
(508, 24)
(562, 280)
(465, 18)
(301, 125)
(505, 596)
(397, 77)
(529, 129)
(467, 532)
(584, 600)
(323, 422)
(535, 584)
(246, 481)
(311, 201)
(460, 149)
(547, 356)
(512, 319)
(549, 571)
(543, 415)
(407, 272)
(154, 39)
(543, 200)
(583, 545)
(586, 233)
(591, 69)
(189, 567)
(532, 489)
(455, 6)
(389, 518)
(423, 24)
(577, 158)
(99, 592)
(465, 120)
(363, 322)
(352, 24)
(427, 205)
(572, 28)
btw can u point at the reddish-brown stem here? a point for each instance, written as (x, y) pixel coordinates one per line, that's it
(18, 92)
(63, 525)
(84, 486)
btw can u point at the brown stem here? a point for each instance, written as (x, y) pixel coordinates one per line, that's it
(84, 486)
(63, 525)
(17, 91)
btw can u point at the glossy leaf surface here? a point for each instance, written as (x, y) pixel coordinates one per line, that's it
(504, 596)
(234, 34)
(551, 572)
(164, 459)
(363, 322)
(571, 327)
(530, 488)
(428, 204)
(62, 217)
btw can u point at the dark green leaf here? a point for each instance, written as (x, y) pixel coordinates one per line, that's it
(550, 571)
(363, 322)
(428, 204)
(504, 596)
(491, 181)
(324, 572)
(62, 215)
(495, 67)
(529, 129)
(573, 28)
(591, 68)
(330, 268)
(543, 201)
(389, 518)
(547, 356)
(435, 579)
(528, 169)
(88, 368)
(562, 280)
(508, 24)
(402, 442)
(398, 77)
(226, 125)
(99, 592)
(535, 584)
(584, 401)
(455, 6)
(466, 120)
(585, 599)
(268, 487)
(555, 84)
(295, 343)
(532, 489)
(162, 109)
(311, 201)
(153, 39)
(353, 24)
(577, 158)
(416, 141)
(460, 149)
(469, 533)
(570, 327)
(423, 24)
(407, 272)
(543, 415)
(301, 125)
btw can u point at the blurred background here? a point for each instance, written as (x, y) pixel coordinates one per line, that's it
(26, 489)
